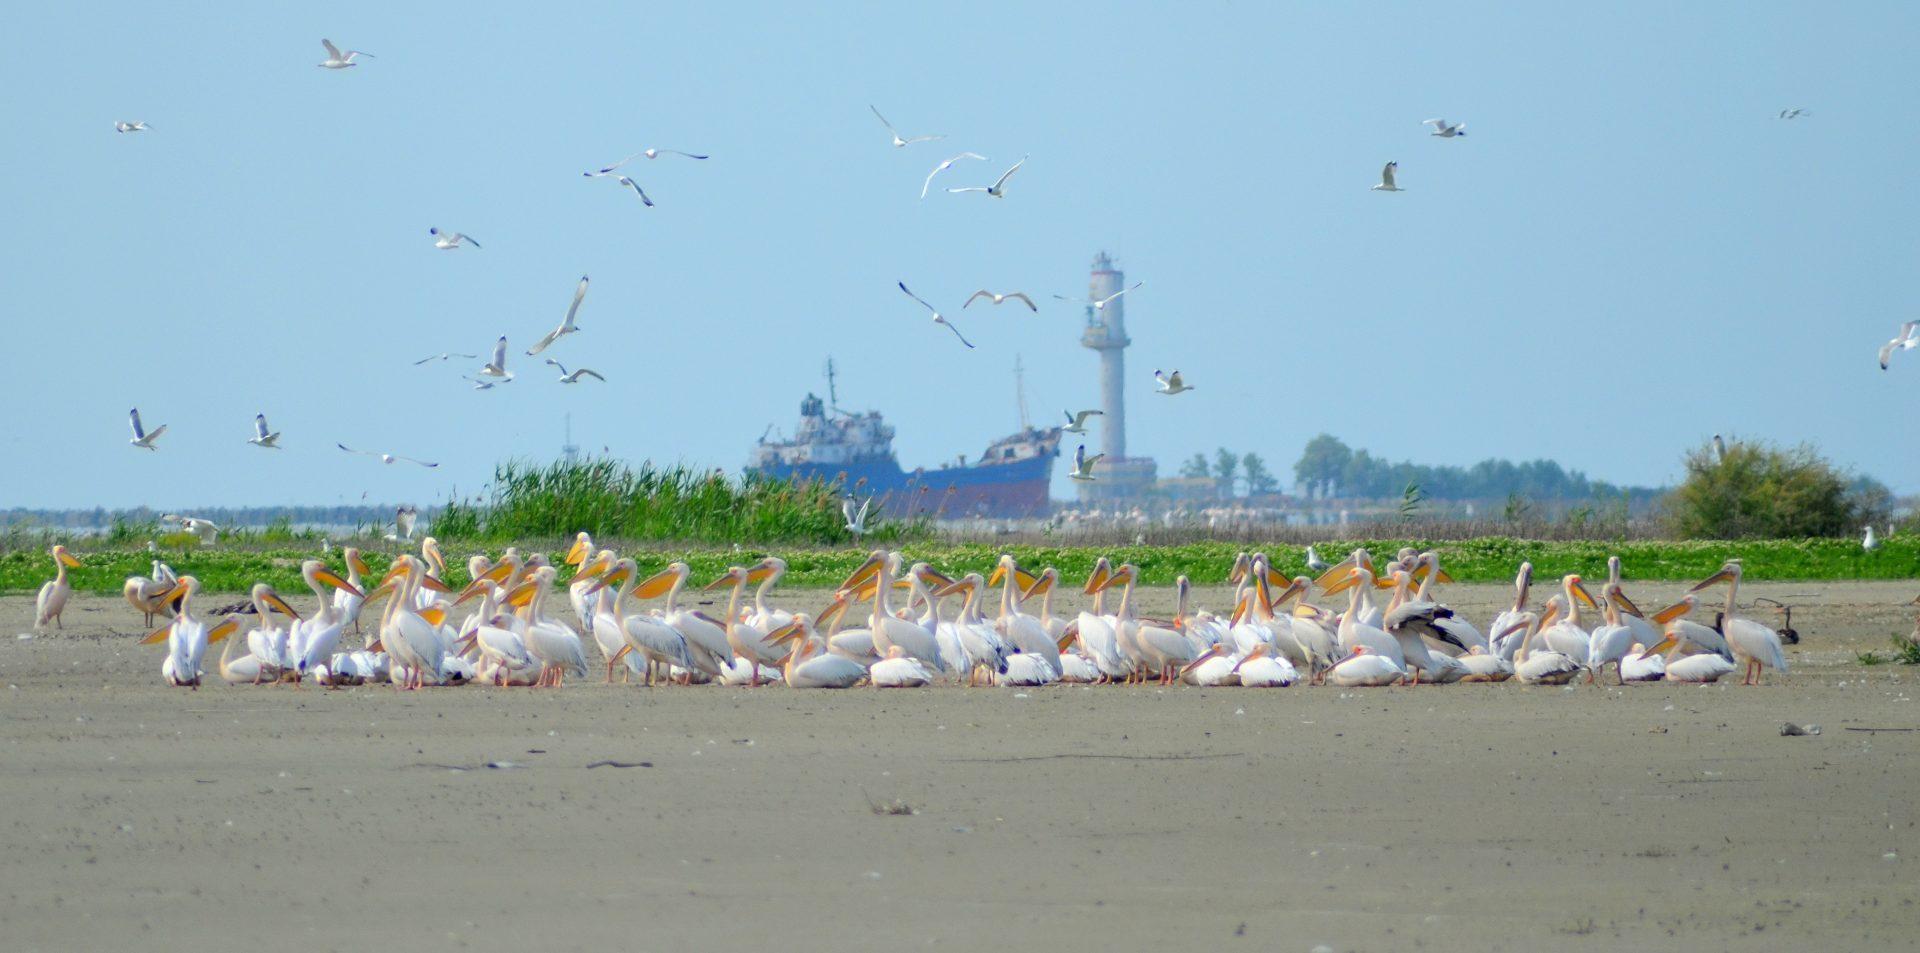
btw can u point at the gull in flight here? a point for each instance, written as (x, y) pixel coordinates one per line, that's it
(134, 126)
(1386, 179)
(443, 356)
(1444, 131)
(1170, 384)
(1001, 299)
(1906, 340)
(1100, 304)
(449, 240)
(141, 438)
(898, 142)
(498, 366)
(1793, 113)
(997, 189)
(261, 438)
(207, 530)
(338, 60)
(856, 520)
(649, 153)
(1077, 423)
(479, 384)
(566, 326)
(1083, 464)
(937, 317)
(574, 376)
(944, 166)
(637, 190)
(385, 457)
(405, 518)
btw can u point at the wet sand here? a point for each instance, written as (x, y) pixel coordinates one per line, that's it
(1482, 817)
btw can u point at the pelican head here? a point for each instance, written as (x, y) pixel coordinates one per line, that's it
(64, 558)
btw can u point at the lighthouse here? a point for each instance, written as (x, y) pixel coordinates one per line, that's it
(1118, 476)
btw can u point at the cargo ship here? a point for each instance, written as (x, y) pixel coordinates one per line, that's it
(854, 454)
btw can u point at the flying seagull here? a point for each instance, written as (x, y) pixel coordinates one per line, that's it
(405, 518)
(338, 60)
(498, 366)
(449, 240)
(1170, 384)
(566, 325)
(261, 438)
(574, 376)
(443, 356)
(937, 317)
(1386, 179)
(999, 299)
(1100, 304)
(385, 457)
(637, 190)
(1906, 340)
(1444, 131)
(898, 142)
(944, 166)
(479, 384)
(1793, 113)
(856, 519)
(1083, 464)
(141, 438)
(997, 189)
(1314, 562)
(649, 153)
(134, 126)
(207, 530)
(1077, 423)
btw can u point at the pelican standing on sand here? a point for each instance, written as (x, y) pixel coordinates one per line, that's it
(1752, 644)
(53, 596)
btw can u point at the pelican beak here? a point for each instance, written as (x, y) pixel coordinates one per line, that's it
(359, 565)
(67, 559)
(398, 569)
(730, 575)
(1719, 577)
(1626, 605)
(1215, 651)
(1258, 651)
(1240, 610)
(1025, 578)
(1661, 646)
(157, 635)
(435, 616)
(580, 551)
(376, 645)
(498, 572)
(1067, 640)
(999, 573)
(219, 633)
(1041, 586)
(1117, 578)
(867, 570)
(656, 585)
(1444, 577)
(1672, 612)
(1580, 592)
(759, 573)
(333, 579)
(384, 589)
(428, 582)
(1294, 589)
(1277, 578)
(934, 577)
(785, 634)
(274, 600)
(953, 587)
(466, 595)
(1098, 580)
(519, 596)
(1331, 584)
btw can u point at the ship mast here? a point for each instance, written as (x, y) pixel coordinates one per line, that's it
(833, 396)
(1020, 392)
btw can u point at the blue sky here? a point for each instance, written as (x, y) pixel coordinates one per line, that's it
(1626, 254)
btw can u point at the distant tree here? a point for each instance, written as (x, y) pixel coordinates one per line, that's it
(1756, 489)
(1225, 463)
(1259, 479)
(1324, 461)
(1871, 501)
(1196, 467)
(1410, 500)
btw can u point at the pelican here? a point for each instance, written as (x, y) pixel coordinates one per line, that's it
(1906, 340)
(1707, 666)
(186, 637)
(579, 555)
(1564, 633)
(944, 166)
(1042, 586)
(899, 671)
(1077, 423)
(566, 327)
(1630, 614)
(1612, 639)
(1407, 621)
(448, 241)
(141, 437)
(809, 664)
(267, 642)
(1442, 129)
(971, 642)
(1001, 299)
(1170, 384)
(745, 641)
(1356, 633)
(149, 596)
(1522, 582)
(1752, 644)
(387, 457)
(261, 438)
(645, 634)
(1100, 304)
(704, 634)
(1545, 667)
(1216, 667)
(938, 318)
(410, 635)
(1023, 632)
(889, 630)
(336, 59)
(1083, 464)
(1096, 629)
(898, 142)
(312, 643)
(134, 126)
(348, 600)
(573, 376)
(237, 667)
(554, 644)
(1260, 668)
(998, 188)
(1484, 666)
(53, 595)
(1639, 666)
(1365, 668)
(1386, 179)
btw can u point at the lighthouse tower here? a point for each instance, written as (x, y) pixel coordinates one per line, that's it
(1118, 475)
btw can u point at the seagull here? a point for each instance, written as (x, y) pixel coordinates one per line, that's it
(1100, 304)
(637, 190)
(404, 520)
(566, 326)
(1083, 464)
(443, 356)
(1444, 131)
(338, 60)
(207, 530)
(898, 142)
(141, 438)
(1077, 423)
(479, 384)
(1170, 384)
(1906, 340)
(1001, 299)
(649, 153)
(995, 189)
(944, 166)
(1314, 562)
(498, 366)
(134, 126)
(385, 457)
(1793, 113)
(1386, 179)
(1870, 543)
(937, 318)
(856, 520)
(574, 377)
(261, 437)
(449, 240)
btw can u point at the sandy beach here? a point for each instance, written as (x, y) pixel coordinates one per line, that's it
(1482, 817)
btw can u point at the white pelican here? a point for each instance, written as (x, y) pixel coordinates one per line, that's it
(809, 664)
(938, 318)
(1095, 629)
(889, 630)
(1630, 614)
(53, 596)
(348, 600)
(1001, 299)
(1214, 668)
(1906, 340)
(1545, 667)
(1163, 646)
(579, 556)
(261, 438)
(142, 438)
(768, 574)
(411, 636)
(1611, 640)
(944, 166)
(405, 518)
(313, 642)
(1077, 423)
(1707, 666)
(1640, 666)
(573, 376)
(336, 59)
(134, 126)
(566, 327)
(1262, 669)
(1484, 666)
(976, 641)
(1564, 633)
(1023, 632)
(237, 667)
(1365, 668)
(1459, 632)
(1407, 621)
(704, 634)
(998, 188)
(386, 457)
(1754, 645)
(898, 142)
(1386, 179)
(1442, 129)
(1083, 464)
(448, 241)
(1043, 587)
(746, 641)
(554, 644)
(1354, 631)
(186, 637)
(1170, 384)
(149, 596)
(1100, 304)
(899, 671)
(635, 632)
(266, 641)
(1504, 622)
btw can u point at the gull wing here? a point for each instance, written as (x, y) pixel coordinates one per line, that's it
(364, 453)
(500, 353)
(1029, 301)
(1005, 175)
(637, 190)
(923, 303)
(1386, 174)
(982, 293)
(333, 52)
(679, 153)
(1886, 356)
(141, 434)
(579, 295)
(412, 460)
(1122, 291)
(260, 426)
(616, 165)
(585, 372)
(883, 119)
(956, 332)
